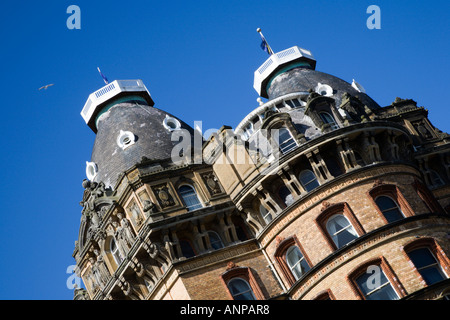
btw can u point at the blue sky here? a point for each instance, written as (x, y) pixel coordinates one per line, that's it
(197, 59)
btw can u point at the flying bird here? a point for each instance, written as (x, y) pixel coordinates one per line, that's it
(46, 86)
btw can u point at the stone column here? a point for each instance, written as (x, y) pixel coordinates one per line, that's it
(319, 166)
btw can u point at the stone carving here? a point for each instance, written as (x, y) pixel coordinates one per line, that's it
(101, 267)
(212, 183)
(80, 294)
(149, 207)
(98, 276)
(129, 290)
(325, 205)
(123, 233)
(231, 265)
(164, 197)
(92, 191)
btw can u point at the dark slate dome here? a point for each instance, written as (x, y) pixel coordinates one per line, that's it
(151, 134)
(303, 79)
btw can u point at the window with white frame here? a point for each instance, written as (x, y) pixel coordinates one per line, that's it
(340, 230)
(285, 140)
(427, 265)
(296, 262)
(240, 289)
(328, 119)
(214, 240)
(376, 286)
(115, 252)
(308, 180)
(389, 208)
(266, 215)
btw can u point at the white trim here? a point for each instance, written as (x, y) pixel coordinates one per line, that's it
(125, 139)
(91, 170)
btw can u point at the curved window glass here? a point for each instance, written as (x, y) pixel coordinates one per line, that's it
(427, 265)
(267, 216)
(327, 118)
(285, 140)
(240, 289)
(389, 208)
(308, 180)
(340, 230)
(296, 262)
(214, 239)
(436, 180)
(189, 197)
(380, 289)
(285, 196)
(186, 249)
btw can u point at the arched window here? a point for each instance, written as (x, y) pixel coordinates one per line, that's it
(389, 208)
(189, 197)
(186, 249)
(428, 266)
(214, 239)
(285, 196)
(285, 140)
(359, 159)
(340, 230)
(389, 202)
(241, 283)
(266, 215)
(375, 280)
(115, 252)
(328, 119)
(296, 262)
(435, 179)
(240, 289)
(378, 289)
(292, 259)
(308, 180)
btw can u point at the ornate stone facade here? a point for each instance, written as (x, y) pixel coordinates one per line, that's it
(344, 186)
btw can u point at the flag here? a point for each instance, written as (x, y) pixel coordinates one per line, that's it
(104, 78)
(265, 46)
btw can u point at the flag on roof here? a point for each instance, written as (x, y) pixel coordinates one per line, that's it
(104, 78)
(264, 45)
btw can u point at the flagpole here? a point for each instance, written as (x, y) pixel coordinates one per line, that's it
(262, 37)
(101, 74)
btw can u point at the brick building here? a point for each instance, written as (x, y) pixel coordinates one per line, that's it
(318, 193)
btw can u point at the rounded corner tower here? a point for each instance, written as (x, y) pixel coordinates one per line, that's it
(128, 129)
(312, 190)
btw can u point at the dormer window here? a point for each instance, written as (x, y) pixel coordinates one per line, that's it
(285, 140)
(328, 119)
(293, 103)
(247, 132)
(189, 197)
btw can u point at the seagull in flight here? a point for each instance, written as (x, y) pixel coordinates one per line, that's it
(46, 86)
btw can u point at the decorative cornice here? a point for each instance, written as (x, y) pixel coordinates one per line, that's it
(326, 191)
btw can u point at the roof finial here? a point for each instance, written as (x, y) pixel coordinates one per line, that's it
(264, 45)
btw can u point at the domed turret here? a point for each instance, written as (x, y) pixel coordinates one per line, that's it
(128, 129)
